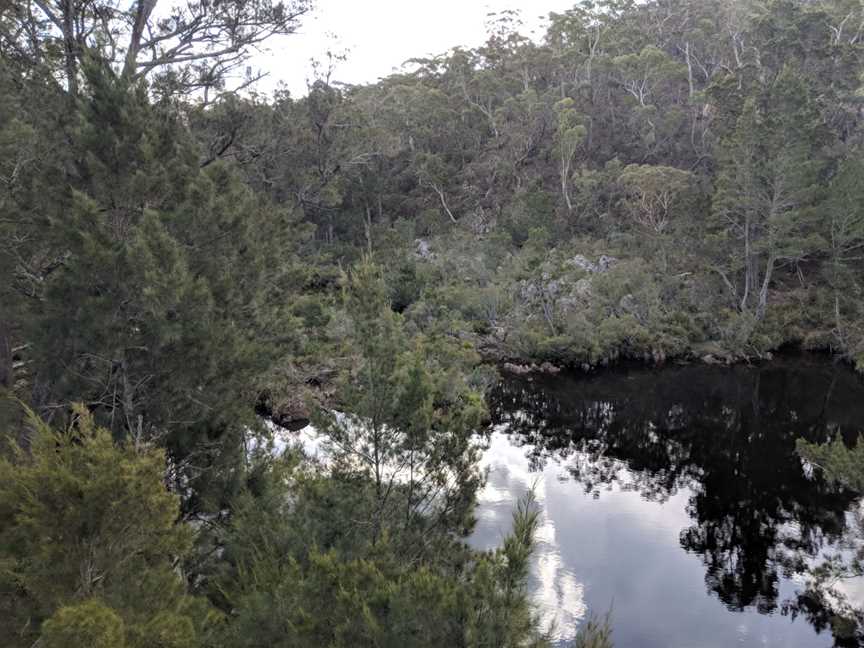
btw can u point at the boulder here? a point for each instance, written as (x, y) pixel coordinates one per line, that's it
(604, 263)
(549, 368)
(582, 262)
(423, 249)
(289, 412)
(518, 369)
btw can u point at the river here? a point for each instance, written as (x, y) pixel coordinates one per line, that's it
(674, 498)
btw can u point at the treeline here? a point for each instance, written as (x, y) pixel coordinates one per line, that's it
(711, 148)
(180, 256)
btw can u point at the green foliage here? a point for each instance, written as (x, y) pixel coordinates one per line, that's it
(532, 210)
(292, 583)
(594, 632)
(82, 518)
(770, 166)
(651, 193)
(410, 422)
(840, 463)
(90, 623)
(845, 467)
(165, 306)
(367, 548)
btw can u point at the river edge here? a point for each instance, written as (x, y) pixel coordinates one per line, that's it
(292, 408)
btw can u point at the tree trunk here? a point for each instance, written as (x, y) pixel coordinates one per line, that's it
(128, 402)
(689, 70)
(70, 50)
(565, 176)
(379, 481)
(440, 193)
(748, 266)
(367, 225)
(763, 292)
(142, 15)
(6, 376)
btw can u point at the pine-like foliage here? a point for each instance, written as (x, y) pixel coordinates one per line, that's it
(167, 304)
(89, 543)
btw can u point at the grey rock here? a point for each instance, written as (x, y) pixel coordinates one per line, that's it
(582, 262)
(549, 368)
(423, 249)
(604, 263)
(518, 369)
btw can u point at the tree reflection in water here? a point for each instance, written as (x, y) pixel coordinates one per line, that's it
(728, 436)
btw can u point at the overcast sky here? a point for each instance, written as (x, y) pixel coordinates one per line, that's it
(379, 35)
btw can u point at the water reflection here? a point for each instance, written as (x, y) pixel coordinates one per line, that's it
(694, 458)
(558, 594)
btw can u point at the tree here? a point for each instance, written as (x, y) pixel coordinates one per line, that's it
(651, 194)
(408, 422)
(844, 466)
(845, 235)
(90, 544)
(87, 624)
(640, 75)
(575, 36)
(432, 172)
(298, 574)
(166, 305)
(33, 153)
(769, 169)
(526, 119)
(189, 46)
(569, 137)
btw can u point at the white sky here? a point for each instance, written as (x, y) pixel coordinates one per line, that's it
(379, 35)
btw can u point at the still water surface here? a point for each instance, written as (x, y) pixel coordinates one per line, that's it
(675, 498)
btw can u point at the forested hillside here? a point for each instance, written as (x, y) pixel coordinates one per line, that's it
(184, 262)
(650, 180)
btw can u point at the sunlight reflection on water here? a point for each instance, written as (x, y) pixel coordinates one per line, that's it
(621, 552)
(557, 593)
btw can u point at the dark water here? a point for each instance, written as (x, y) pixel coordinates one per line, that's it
(675, 496)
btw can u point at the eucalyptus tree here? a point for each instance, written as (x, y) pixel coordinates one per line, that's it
(187, 46)
(569, 137)
(653, 195)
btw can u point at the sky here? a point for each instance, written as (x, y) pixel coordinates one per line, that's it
(377, 36)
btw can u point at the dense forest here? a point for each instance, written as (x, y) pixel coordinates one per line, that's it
(188, 267)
